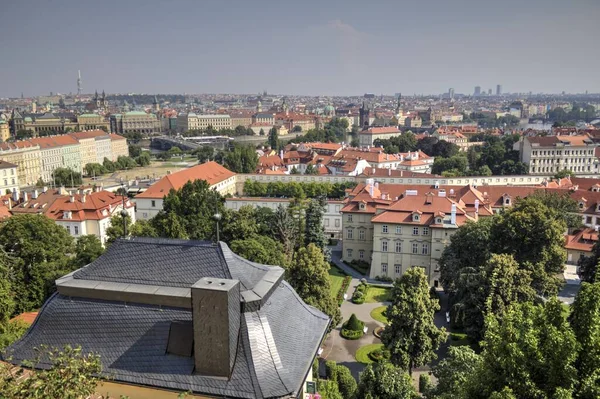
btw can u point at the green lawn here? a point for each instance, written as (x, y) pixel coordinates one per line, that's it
(336, 277)
(377, 294)
(362, 354)
(377, 314)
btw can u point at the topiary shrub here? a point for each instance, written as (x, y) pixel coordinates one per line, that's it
(358, 300)
(361, 288)
(424, 383)
(331, 370)
(379, 355)
(346, 383)
(354, 324)
(351, 334)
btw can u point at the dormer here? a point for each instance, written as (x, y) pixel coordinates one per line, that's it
(506, 199)
(362, 205)
(416, 216)
(439, 217)
(596, 188)
(67, 215)
(582, 203)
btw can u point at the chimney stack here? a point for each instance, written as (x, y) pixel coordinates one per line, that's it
(453, 214)
(15, 195)
(34, 195)
(389, 171)
(83, 198)
(477, 206)
(72, 197)
(216, 316)
(25, 196)
(44, 189)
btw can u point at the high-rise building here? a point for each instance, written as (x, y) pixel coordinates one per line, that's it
(451, 93)
(477, 90)
(498, 90)
(489, 92)
(79, 88)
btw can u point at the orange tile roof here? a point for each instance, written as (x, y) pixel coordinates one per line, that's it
(582, 240)
(381, 130)
(115, 137)
(88, 134)
(211, 172)
(92, 209)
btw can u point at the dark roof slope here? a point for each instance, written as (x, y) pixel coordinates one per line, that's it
(171, 263)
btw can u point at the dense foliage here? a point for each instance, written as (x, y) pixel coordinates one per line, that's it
(254, 188)
(384, 381)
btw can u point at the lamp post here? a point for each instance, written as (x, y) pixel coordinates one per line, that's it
(217, 217)
(124, 211)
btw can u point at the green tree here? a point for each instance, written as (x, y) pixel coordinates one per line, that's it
(285, 230)
(490, 290)
(455, 373)
(311, 170)
(294, 171)
(40, 249)
(273, 139)
(143, 159)
(195, 204)
(297, 129)
(115, 229)
(170, 225)
(66, 177)
(242, 159)
(329, 389)
(564, 173)
(124, 163)
(585, 321)
(563, 204)
(7, 301)
(238, 225)
(260, 249)
(23, 134)
(135, 151)
(384, 381)
(109, 166)
(314, 232)
(412, 337)
(205, 153)
(534, 235)
(308, 274)
(72, 375)
(94, 169)
(142, 228)
(87, 249)
(588, 265)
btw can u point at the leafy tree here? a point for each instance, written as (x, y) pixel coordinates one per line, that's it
(412, 337)
(261, 132)
(124, 162)
(456, 164)
(72, 375)
(243, 159)
(564, 173)
(426, 144)
(66, 177)
(563, 204)
(260, 249)
(169, 225)
(455, 372)
(109, 165)
(143, 159)
(94, 169)
(490, 290)
(588, 265)
(11, 332)
(87, 249)
(346, 382)
(444, 149)
(7, 302)
(294, 171)
(531, 351)
(285, 229)
(115, 230)
(329, 389)
(384, 381)
(308, 274)
(135, 151)
(40, 249)
(297, 129)
(195, 204)
(23, 134)
(586, 326)
(205, 153)
(240, 224)
(142, 228)
(311, 170)
(403, 143)
(314, 231)
(534, 235)
(273, 139)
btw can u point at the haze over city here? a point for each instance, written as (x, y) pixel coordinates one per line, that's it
(310, 48)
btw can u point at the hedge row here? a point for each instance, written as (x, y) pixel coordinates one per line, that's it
(343, 289)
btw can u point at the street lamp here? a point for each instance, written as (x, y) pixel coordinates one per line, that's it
(124, 211)
(217, 217)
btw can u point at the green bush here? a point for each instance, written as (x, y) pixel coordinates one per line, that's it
(354, 324)
(379, 355)
(331, 370)
(346, 383)
(315, 368)
(358, 300)
(361, 288)
(424, 383)
(454, 336)
(350, 334)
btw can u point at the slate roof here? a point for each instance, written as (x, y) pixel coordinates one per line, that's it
(276, 346)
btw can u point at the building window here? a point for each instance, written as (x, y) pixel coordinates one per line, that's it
(76, 230)
(425, 231)
(415, 231)
(588, 220)
(350, 218)
(361, 234)
(361, 254)
(384, 268)
(415, 248)
(349, 253)
(397, 269)
(425, 249)
(69, 229)
(384, 246)
(398, 246)
(327, 222)
(337, 222)
(349, 234)
(153, 204)
(384, 228)
(398, 230)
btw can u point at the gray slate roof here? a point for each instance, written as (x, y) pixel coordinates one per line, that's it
(277, 342)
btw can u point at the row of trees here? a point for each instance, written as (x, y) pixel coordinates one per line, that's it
(254, 188)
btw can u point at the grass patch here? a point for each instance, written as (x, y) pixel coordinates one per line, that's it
(362, 354)
(458, 339)
(378, 294)
(336, 278)
(377, 314)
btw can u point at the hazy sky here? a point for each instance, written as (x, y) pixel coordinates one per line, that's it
(300, 47)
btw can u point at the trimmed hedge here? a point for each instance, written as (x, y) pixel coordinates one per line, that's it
(351, 334)
(340, 295)
(354, 324)
(379, 355)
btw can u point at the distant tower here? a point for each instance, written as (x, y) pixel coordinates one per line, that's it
(364, 116)
(79, 82)
(489, 92)
(97, 99)
(498, 90)
(33, 107)
(259, 106)
(156, 104)
(285, 107)
(399, 105)
(451, 94)
(477, 90)
(103, 100)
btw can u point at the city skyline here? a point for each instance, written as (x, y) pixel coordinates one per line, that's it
(191, 47)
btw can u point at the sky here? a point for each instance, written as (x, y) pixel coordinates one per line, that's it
(299, 48)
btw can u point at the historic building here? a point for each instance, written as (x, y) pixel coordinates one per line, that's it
(135, 122)
(56, 123)
(368, 136)
(27, 157)
(9, 180)
(192, 121)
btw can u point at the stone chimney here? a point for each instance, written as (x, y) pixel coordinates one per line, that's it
(62, 190)
(25, 196)
(44, 189)
(83, 198)
(453, 214)
(15, 195)
(72, 197)
(34, 195)
(216, 314)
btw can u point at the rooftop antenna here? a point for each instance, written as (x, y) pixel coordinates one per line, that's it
(217, 218)
(79, 88)
(124, 211)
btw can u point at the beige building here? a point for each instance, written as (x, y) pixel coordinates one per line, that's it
(56, 123)
(551, 154)
(4, 131)
(240, 119)
(87, 142)
(135, 122)
(368, 136)
(27, 157)
(192, 121)
(119, 146)
(92, 122)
